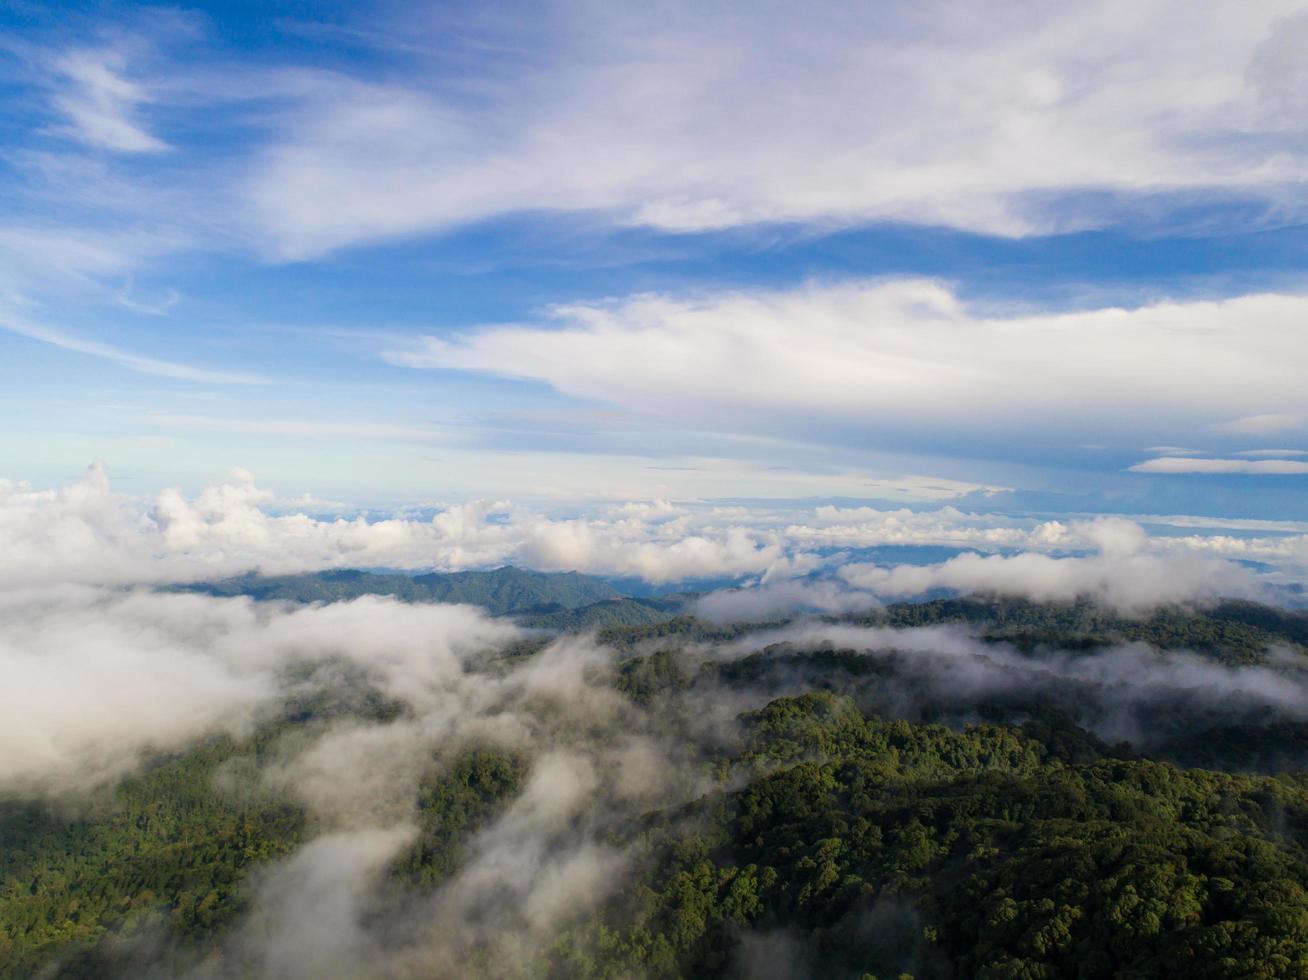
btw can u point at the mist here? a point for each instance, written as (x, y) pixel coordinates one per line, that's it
(111, 681)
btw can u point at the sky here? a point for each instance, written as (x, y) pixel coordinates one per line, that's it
(527, 265)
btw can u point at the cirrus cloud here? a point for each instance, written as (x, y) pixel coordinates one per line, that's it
(688, 118)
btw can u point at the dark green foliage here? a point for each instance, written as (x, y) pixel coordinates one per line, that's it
(1233, 632)
(542, 600)
(680, 628)
(644, 678)
(501, 591)
(169, 851)
(455, 802)
(888, 847)
(863, 824)
(166, 844)
(609, 614)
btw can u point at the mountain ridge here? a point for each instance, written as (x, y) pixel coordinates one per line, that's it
(546, 600)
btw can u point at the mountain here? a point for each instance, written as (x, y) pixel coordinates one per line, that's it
(621, 613)
(506, 591)
(538, 600)
(1029, 791)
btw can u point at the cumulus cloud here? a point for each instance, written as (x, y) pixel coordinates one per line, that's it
(1127, 571)
(1121, 575)
(782, 598)
(1135, 583)
(84, 532)
(577, 544)
(854, 527)
(903, 361)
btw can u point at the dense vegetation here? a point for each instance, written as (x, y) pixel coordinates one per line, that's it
(1233, 631)
(853, 823)
(885, 847)
(1236, 631)
(543, 600)
(500, 591)
(168, 847)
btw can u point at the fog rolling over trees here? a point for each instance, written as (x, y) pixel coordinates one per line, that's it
(582, 490)
(212, 786)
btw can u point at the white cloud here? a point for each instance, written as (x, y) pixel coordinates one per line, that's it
(1122, 574)
(86, 533)
(1127, 571)
(96, 678)
(1267, 423)
(773, 600)
(688, 118)
(860, 527)
(1119, 692)
(668, 557)
(1260, 467)
(906, 360)
(309, 910)
(74, 252)
(161, 306)
(135, 362)
(101, 104)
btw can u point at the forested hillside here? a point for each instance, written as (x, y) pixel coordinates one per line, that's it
(544, 600)
(500, 591)
(952, 789)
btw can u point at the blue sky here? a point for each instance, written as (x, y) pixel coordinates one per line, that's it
(1039, 259)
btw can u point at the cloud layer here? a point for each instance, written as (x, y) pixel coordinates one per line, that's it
(87, 534)
(169, 669)
(99, 678)
(1121, 574)
(906, 363)
(687, 119)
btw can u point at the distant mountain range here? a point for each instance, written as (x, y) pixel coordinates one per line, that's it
(548, 600)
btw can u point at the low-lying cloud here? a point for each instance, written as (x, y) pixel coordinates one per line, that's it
(787, 559)
(97, 679)
(86, 533)
(108, 677)
(1130, 692)
(1120, 575)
